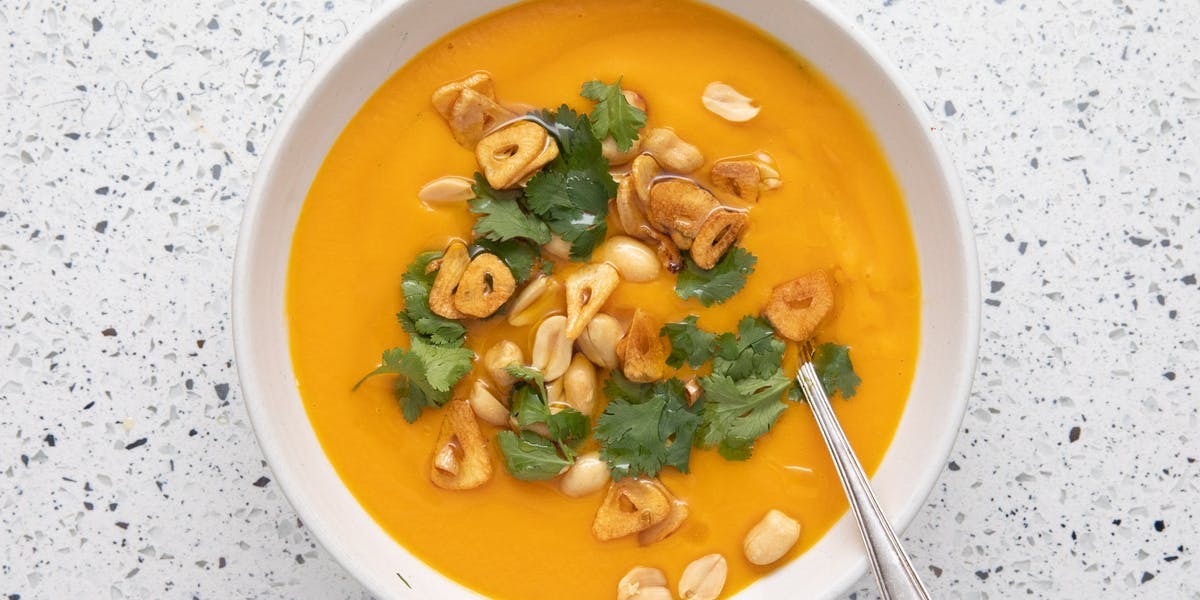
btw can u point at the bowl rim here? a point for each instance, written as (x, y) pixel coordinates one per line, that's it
(253, 219)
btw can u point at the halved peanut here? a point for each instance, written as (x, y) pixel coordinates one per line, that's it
(641, 351)
(663, 529)
(599, 340)
(630, 506)
(473, 115)
(796, 307)
(479, 81)
(771, 538)
(446, 191)
(679, 207)
(486, 285)
(643, 583)
(486, 406)
(537, 299)
(634, 260)
(737, 178)
(719, 231)
(450, 271)
(587, 475)
(729, 104)
(671, 151)
(498, 358)
(460, 458)
(555, 396)
(643, 171)
(635, 99)
(614, 155)
(704, 578)
(557, 247)
(552, 348)
(588, 288)
(510, 154)
(579, 385)
(629, 208)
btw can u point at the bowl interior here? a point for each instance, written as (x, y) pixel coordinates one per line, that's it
(946, 255)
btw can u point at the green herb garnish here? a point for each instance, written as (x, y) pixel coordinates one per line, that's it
(518, 254)
(736, 413)
(832, 362)
(689, 343)
(502, 216)
(646, 427)
(613, 115)
(531, 457)
(718, 284)
(427, 374)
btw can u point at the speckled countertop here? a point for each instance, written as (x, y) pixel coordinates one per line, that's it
(131, 132)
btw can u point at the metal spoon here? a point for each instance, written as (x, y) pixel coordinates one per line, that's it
(893, 571)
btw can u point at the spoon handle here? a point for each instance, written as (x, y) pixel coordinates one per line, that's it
(893, 571)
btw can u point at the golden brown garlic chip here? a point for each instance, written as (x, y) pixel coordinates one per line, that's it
(631, 505)
(512, 153)
(796, 307)
(719, 231)
(588, 288)
(739, 178)
(641, 351)
(460, 459)
(679, 207)
(445, 96)
(674, 519)
(450, 270)
(486, 284)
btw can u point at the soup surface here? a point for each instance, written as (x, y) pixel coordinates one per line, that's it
(838, 209)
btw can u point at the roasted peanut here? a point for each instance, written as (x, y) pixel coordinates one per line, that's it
(486, 406)
(771, 538)
(630, 506)
(514, 152)
(796, 307)
(635, 99)
(498, 358)
(451, 268)
(615, 155)
(486, 285)
(598, 342)
(663, 529)
(679, 207)
(552, 348)
(629, 208)
(643, 583)
(588, 288)
(671, 151)
(460, 458)
(537, 299)
(644, 171)
(729, 104)
(555, 396)
(579, 384)
(557, 247)
(721, 230)
(586, 476)
(704, 578)
(446, 191)
(737, 178)
(641, 351)
(634, 260)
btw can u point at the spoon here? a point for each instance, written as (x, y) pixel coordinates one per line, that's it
(893, 570)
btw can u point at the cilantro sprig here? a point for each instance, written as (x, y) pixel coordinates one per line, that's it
(836, 372)
(613, 115)
(689, 343)
(531, 457)
(527, 455)
(427, 374)
(571, 193)
(417, 319)
(646, 427)
(502, 218)
(718, 284)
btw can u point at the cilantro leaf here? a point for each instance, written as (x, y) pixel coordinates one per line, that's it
(529, 407)
(530, 457)
(528, 375)
(569, 426)
(754, 352)
(832, 362)
(417, 319)
(689, 343)
(736, 413)
(718, 284)
(646, 427)
(427, 374)
(517, 254)
(613, 115)
(571, 193)
(503, 218)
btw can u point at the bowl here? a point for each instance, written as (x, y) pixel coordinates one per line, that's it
(942, 231)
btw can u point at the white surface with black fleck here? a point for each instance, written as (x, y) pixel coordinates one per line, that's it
(131, 132)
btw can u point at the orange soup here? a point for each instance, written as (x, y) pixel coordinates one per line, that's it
(836, 210)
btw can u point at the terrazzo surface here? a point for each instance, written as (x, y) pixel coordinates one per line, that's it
(131, 132)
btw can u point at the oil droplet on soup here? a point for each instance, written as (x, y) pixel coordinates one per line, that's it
(362, 223)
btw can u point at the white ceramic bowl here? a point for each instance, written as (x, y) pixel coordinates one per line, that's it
(945, 247)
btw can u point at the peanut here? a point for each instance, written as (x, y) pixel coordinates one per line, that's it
(579, 385)
(634, 260)
(497, 359)
(771, 538)
(616, 156)
(704, 578)
(586, 476)
(729, 104)
(671, 151)
(643, 583)
(552, 348)
(538, 298)
(446, 191)
(599, 340)
(486, 406)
